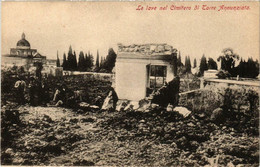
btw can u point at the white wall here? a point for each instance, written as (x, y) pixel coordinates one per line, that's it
(131, 77)
(131, 81)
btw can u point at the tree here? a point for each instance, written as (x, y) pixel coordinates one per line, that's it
(203, 65)
(74, 64)
(97, 60)
(81, 65)
(195, 63)
(58, 60)
(228, 58)
(252, 68)
(64, 64)
(110, 60)
(91, 61)
(179, 63)
(70, 59)
(187, 64)
(212, 64)
(102, 62)
(86, 62)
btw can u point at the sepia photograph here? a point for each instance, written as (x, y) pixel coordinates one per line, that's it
(144, 83)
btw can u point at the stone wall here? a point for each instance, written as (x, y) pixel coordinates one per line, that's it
(240, 98)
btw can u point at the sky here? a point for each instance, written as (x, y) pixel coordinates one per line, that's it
(92, 26)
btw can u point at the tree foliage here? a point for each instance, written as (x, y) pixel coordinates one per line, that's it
(228, 58)
(203, 64)
(247, 69)
(179, 63)
(195, 63)
(187, 64)
(109, 62)
(58, 60)
(64, 64)
(97, 60)
(81, 62)
(212, 64)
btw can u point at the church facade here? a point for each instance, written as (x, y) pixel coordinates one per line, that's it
(23, 55)
(23, 49)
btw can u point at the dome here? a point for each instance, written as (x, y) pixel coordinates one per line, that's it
(23, 43)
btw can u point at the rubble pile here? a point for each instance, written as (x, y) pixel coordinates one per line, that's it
(44, 135)
(59, 136)
(206, 130)
(10, 123)
(189, 137)
(147, 48)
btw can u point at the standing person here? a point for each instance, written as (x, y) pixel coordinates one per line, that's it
(20, 87)
(37, 93)
(45, 98)
(174, 88)
(32, 91)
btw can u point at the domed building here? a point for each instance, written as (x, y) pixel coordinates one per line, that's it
(23, 48)
(22, 55)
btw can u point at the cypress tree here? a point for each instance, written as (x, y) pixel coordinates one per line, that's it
(179, 63)
(97, 60)
(58, 60)
(81, 62)
(86, 62)
(64, 64)
(212, 64)
(187, 64)
(75, 64)
(91, 61)
(70, 59)
(110, 60)
(203, 64)
(195, 63)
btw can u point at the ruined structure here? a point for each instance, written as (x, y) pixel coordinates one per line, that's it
(143, 68)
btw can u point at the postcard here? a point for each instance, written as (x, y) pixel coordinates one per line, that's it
(145, 83)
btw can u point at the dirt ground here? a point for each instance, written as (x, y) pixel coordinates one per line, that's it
(61, 136)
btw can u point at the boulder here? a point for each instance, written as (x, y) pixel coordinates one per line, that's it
(143, 105)
(169, 108)
(217, 115)
(183, 111)
(108, 103)
(133, 105)
(83, 105)
(121, 104)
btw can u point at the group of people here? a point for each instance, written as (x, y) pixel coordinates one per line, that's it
(39, 94)
(64, 96)
(37, 90)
